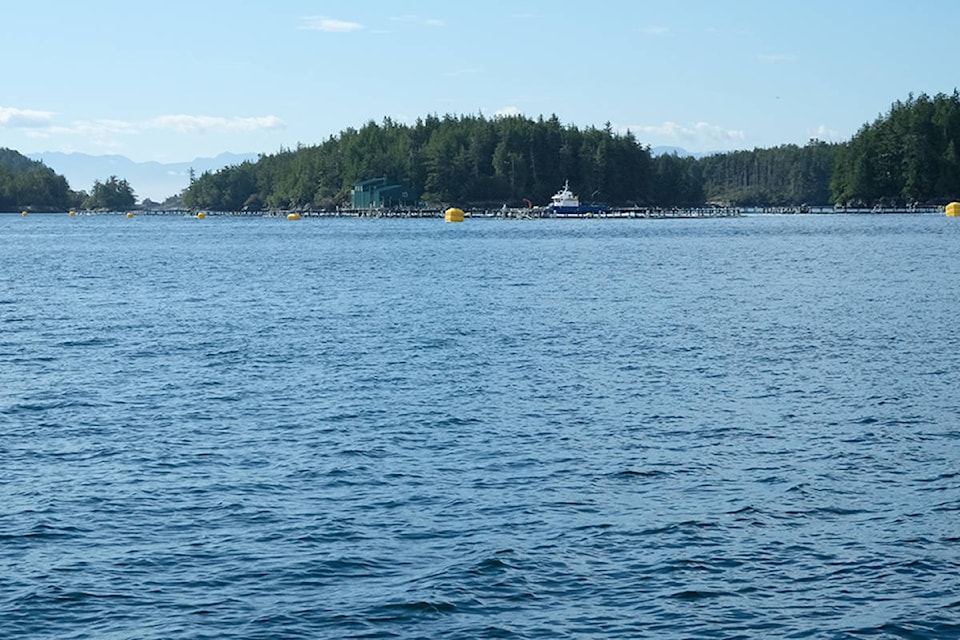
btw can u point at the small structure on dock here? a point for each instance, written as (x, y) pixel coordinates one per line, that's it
(378, 193)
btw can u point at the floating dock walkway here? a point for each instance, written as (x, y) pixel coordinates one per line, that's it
(501, 213)
(519, 213)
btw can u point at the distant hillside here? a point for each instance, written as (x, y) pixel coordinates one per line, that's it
(27, 184)
(471, 160)
(154, 180)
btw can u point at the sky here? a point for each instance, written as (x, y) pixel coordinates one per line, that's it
(174, 80)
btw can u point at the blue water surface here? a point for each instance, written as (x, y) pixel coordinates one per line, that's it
(341, 428)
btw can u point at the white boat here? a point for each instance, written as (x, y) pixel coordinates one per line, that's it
(564, 201)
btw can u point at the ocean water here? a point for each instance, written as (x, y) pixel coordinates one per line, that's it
(339, 428)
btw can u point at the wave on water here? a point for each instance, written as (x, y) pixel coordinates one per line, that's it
(739, 428)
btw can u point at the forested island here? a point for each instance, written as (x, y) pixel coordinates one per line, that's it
(905, 157)
(30, 184)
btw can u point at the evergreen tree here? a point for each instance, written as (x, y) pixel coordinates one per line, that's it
(113, 195)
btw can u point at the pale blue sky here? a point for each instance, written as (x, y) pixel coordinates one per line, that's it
(174, 80)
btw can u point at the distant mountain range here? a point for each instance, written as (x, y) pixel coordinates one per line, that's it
(154, 180)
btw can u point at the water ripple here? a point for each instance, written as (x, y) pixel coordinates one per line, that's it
(734, 429)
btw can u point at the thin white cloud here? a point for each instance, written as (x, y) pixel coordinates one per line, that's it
(698, 131)
(412, 19)
(825, 133)
(103, 134)
(777, 58)
(328, 25)
(182, 123)
(507, 112)
(101, 127)
(94, 129)
(654, 31)
(177, 123)
(24, 118)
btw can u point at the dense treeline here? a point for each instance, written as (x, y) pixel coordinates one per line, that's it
(468, 159)
(787, 175)
(28, 184)
(908, 155)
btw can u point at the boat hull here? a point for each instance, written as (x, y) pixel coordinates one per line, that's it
(577, 210)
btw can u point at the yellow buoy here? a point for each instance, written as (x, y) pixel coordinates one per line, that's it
(23, 213)
(72, 214)
(953, 209)
(201, 215)
(453, 214)
(129, 214)
(293, 216)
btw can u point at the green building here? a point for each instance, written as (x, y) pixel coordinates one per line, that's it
(378, 194)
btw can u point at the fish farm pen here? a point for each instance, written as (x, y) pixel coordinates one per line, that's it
(432, 212)
(521, 213)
